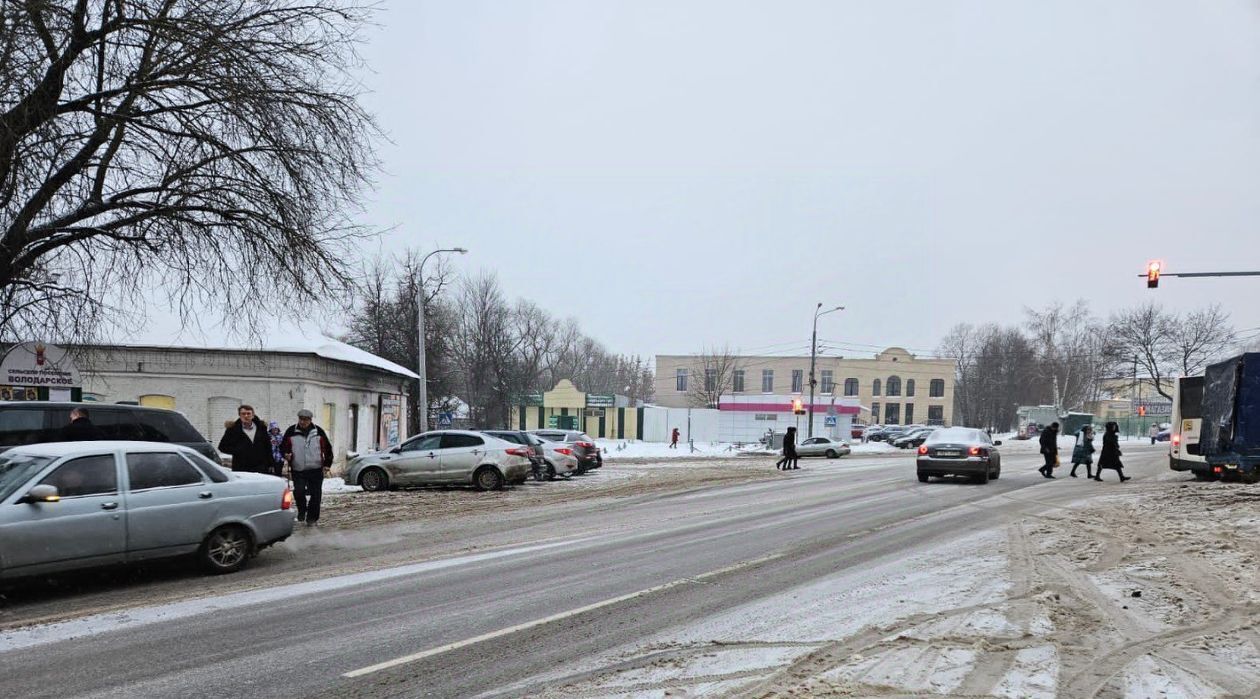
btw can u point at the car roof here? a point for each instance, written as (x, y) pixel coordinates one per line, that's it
(86, 405)
(59, 449)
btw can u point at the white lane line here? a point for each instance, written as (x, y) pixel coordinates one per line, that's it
(554, 617)
(107, 622)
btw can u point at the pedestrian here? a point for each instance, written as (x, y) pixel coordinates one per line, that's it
(1110, 455)
(1154, 433)
(789, 451)
(246, 441)
(309, 453)
(1050, 449)
(276, 436)
(80, 428)
(1083, 452)
(673, 439)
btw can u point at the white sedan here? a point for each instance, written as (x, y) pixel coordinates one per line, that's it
(823, 446)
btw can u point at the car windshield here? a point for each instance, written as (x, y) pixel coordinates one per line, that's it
(17, 469)
(954, 434)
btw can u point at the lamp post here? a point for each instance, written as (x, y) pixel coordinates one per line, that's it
(813, 358)
(422, 401)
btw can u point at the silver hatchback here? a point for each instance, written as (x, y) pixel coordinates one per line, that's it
(444, 457)
(75, 505)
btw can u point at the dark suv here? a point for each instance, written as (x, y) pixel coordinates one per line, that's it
(584, 448)
(23, 422)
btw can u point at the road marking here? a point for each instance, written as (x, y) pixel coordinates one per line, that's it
(555, 617)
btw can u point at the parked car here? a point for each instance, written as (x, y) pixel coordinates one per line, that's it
(536, 457)
(559, 459)
(71, 505)
(23, 422)
(959, 451)
(442, 457)
(913, 438)
(823, 446)
(890, 433)
(857, 431)
(584, 448)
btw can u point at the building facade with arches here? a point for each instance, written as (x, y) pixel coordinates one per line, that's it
(893, 387)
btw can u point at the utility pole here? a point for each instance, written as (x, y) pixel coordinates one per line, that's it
(422, 400)
(813, 360)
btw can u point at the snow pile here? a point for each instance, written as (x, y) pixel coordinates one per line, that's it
(625, 449)
(338, 485)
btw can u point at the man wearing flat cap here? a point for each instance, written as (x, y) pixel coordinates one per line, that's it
(309, 454)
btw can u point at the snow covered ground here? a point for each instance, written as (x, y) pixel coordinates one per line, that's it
(626, 449)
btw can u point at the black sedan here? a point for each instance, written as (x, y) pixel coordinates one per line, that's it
(959, 451)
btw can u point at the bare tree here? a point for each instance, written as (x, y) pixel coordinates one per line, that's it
(711, 375)
(1145, 335)
(1200, 337)
(213, 147)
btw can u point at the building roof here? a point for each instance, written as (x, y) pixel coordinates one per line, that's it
(283, 338)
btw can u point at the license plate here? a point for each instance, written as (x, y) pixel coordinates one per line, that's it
(1231, 466)
(948, 453)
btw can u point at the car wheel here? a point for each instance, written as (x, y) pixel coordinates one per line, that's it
(923, 478)
(374, 480)
(551, 471)
(997, 473)
(1204, 476)
(831, 454)
(983, 479)
(225, 550)
(488, 478)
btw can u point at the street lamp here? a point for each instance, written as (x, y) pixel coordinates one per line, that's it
(422, 402)
(813, 357)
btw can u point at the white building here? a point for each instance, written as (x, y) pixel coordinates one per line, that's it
(358, 398)
(743, 418)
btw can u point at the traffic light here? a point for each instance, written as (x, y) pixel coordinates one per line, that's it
(1153, 269)
(797, 406)
(1141, 411)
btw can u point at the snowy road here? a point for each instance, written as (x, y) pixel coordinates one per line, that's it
(596, 592)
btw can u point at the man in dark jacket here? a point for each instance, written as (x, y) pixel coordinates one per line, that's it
(1050, 449)
(80, 428)
(309, 453)
(247, 442)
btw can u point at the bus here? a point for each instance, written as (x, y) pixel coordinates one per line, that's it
(1187, 421)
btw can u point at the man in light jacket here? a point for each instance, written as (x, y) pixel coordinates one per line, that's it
(309, 454)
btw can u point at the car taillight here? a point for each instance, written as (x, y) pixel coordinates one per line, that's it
(922, 450)
(584, 445)
(1176, 439)
(286, 500)
(566, 452)
(519, 451)
(976, 451)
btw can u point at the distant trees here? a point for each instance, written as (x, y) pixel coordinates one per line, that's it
(711, 375)
(1064, 356)
(480, 347)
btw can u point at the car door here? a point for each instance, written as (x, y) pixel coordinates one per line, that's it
(170, 506)
(808, 447)
(86, 527)
(461, 455)
(418, 461)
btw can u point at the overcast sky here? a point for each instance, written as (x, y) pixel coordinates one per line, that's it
(683, 173)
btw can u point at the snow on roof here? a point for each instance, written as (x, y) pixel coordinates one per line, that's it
(282, 338)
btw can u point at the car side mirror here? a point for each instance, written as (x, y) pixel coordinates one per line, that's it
(997, 443)
(396, 450)
(40, 493)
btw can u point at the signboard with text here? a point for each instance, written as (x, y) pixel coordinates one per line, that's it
(601, 400)
(38, 364)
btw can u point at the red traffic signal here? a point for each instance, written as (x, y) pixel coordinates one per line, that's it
(1141, 411)
(797, 407)
(1153, 268)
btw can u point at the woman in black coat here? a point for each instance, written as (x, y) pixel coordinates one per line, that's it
(789, 451)
(1110, 455)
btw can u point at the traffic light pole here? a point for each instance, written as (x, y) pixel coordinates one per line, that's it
(1207, 274)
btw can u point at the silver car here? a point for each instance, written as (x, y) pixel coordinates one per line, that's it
(68, 505)
(823, 446)
(559, 458)
(444, 457)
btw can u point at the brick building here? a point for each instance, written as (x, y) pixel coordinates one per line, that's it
(893, 387)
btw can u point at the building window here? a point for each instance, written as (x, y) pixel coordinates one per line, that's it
(850, 387)
(680, 380)
(875, 388)
(710, 380)
(936, 415)
(738, 382)
(798, 378)
(892, 414)
(767, 417)
(937, 388)
(909, 388)
(893, 387)
(909, 413)
(767, 380)
(828, 383)
(874, 412)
